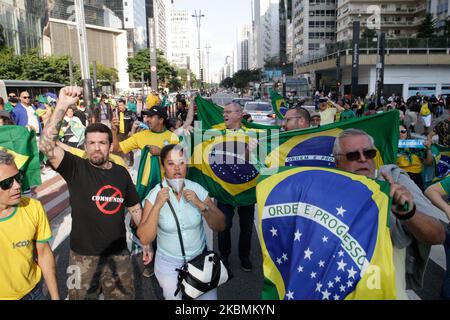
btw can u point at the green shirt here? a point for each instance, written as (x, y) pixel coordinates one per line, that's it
(8, 106)
(347, 114)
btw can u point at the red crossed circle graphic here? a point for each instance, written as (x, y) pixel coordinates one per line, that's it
(102, 206)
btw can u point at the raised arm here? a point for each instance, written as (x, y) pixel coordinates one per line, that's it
(68, 96)
(436, 194)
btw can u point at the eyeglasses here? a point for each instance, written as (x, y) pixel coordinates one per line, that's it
(356, 155)
(228, 112)
(403, 131)
(8, 182)
(12, 96)
(26, 97)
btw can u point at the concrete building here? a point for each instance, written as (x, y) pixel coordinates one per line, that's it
(266, 45)
(242, 48)
(440, 9)
(181, 40)
(398, 18)
(314, 27)
(408, 69)
(162, 16)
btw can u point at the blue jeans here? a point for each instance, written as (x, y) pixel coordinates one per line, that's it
(36, 293)
(445, 293)
(246, 217)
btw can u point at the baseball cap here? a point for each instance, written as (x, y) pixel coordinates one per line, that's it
(315, 114)
(156, 110)
(323, 99)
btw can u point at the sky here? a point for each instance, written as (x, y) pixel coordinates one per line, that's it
(219, 26)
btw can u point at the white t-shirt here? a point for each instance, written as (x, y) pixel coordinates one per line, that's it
(32, 118)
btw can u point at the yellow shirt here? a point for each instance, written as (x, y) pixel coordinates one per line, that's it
(151, 101)
(19, 273)
(112, 157)
(148, 137)
(327, 116)
(122, 123)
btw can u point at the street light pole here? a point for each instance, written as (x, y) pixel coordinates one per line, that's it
(198, 18)
(84, 61)
(207, 47)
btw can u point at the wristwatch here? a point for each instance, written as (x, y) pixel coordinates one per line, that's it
(206, 209)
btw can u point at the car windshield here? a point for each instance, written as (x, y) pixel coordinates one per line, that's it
(258, 107)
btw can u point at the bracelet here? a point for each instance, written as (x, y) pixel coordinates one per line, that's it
(407, 215)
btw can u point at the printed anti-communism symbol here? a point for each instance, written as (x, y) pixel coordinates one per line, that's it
(106, 192)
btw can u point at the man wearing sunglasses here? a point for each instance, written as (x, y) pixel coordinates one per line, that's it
(100, 191)
(24, 113)
(413, 229)
(23, 227)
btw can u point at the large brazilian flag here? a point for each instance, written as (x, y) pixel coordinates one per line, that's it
(20, 142)
(324, 235)
(314, 146)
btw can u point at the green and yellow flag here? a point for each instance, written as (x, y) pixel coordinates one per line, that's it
(318, 247)
(149, 173)
(278, 103)
(20, 142)
(314, 146)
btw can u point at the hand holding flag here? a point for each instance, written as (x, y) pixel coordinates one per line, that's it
(162, 197)
(401, 197)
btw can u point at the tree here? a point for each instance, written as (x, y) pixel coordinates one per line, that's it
(427, 27)
(369, 34)
(105, 75)
(227, 83)
(273, 62)
(243, 77)
(447, 28)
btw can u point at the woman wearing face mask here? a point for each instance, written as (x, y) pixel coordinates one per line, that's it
(191, 204)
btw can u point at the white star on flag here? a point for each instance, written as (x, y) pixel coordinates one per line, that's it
(342, 288)
(300, 269)
(324, 239)
(326, 295)
(330, 284)
(336, 297)
(274, 232)
(284, 257)
(313, 275)
(318, 287)
(290, 295)
(279, 260)
(349, 283)
(337, 279)
(308, 254)
(341, 211)
(351, 273)
(321, 263)
(341, 253)
(341, 265)
(297, 235)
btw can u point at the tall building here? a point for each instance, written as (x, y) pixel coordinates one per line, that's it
(440, 10)
(135, 22)
(243, 42)
(314, 26)
(25, 23)
(399, 18)
(181, 39)
(162, 16)
(266, 42)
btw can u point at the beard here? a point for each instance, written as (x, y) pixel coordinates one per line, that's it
(97, 159)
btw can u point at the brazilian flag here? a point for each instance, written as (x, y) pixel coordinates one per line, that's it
(314, 146)
(20, 142)
(278, 103)
(441, 156)
(149, 173)
(331, 247)
(211, 116)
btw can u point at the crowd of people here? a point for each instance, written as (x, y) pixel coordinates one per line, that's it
(102, 191)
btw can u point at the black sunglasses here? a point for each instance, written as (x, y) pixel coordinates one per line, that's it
(356, 155)
(26, 97)
(8, 182)
(403, 131)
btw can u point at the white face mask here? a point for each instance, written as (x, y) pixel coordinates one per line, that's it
(176, 184)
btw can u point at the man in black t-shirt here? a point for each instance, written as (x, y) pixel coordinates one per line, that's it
(100, 191)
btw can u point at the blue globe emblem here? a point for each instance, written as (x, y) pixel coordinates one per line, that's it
(315, 152)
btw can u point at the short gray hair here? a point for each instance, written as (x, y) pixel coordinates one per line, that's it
(349, 133)
(6, 158)
(234, 104)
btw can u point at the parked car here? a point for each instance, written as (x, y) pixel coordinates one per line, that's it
(260, 112)
(242, 101)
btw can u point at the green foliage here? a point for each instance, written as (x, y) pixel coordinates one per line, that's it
(368, 34)
(174, 84)
(427, 27)
(227, 83)
(31, 66)
(243, 77)
(105, 75)
(273, 62)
